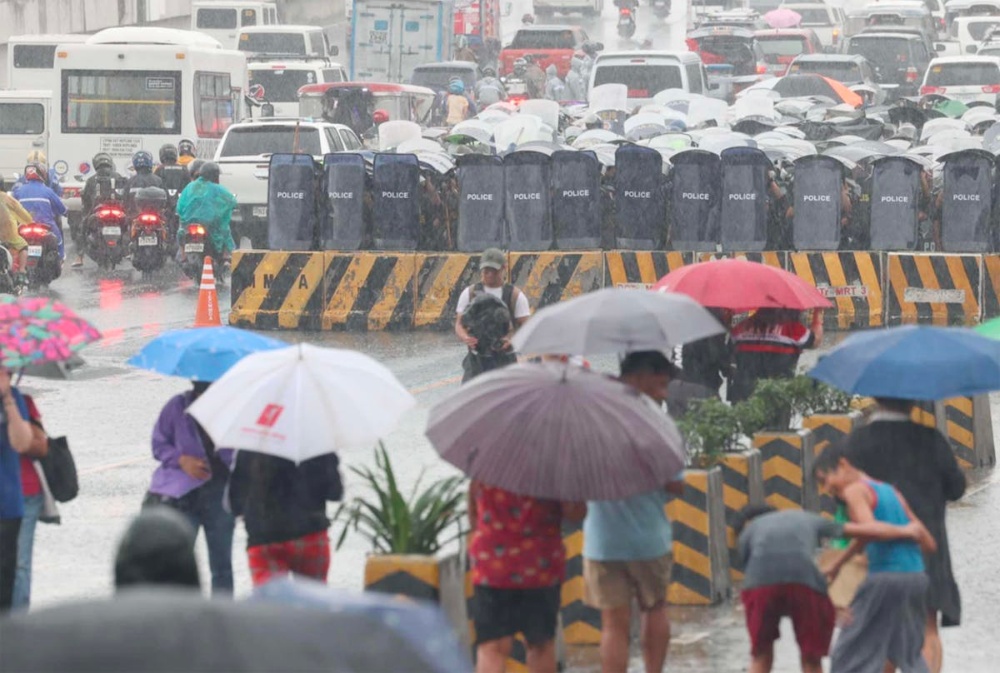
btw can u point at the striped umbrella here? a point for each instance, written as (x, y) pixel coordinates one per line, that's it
(557, 431)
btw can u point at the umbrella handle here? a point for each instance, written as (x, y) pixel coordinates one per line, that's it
(20, 373)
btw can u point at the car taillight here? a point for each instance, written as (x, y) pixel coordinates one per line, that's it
(149, 218)
(195, 230)
(911, 74)
(762, 68)
(836, 35)
(105, 213)
(928, 90)
(991, 88)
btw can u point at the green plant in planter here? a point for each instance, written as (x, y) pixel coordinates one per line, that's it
(422, 524)
(710, 428)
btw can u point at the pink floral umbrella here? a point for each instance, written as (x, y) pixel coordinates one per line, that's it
(38, 329)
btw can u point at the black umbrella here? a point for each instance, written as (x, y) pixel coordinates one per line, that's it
(158, 630)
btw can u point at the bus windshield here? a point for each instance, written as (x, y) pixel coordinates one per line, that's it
(139, 101)
(273, 43)
(22, 119)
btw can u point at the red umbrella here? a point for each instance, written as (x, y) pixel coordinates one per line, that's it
(739, 285)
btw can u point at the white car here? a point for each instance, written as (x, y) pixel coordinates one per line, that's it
(278, 81)
(244, 161)
(969, 79)
(825, 20)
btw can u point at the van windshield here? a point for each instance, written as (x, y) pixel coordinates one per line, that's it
(977, 29)
(273, 43)
(963, 74)
(643, 81)
(217, 19)
(257, 140)
(884, 52)
(281, 86)
(22, 119)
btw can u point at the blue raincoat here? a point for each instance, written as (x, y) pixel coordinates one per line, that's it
(210, 204)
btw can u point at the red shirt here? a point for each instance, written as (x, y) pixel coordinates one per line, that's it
(517, 541)
(30, 483)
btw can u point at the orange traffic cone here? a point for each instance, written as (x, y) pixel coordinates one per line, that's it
(208, 299)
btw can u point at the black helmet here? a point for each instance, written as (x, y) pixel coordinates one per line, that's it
(168, 154)
(194, 168)
(489, 72)
(209, 171)
(103, 160)
(186, 147)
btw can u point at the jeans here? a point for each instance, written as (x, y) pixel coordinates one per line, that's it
(33, 505)
(8, 560)
(203, 508)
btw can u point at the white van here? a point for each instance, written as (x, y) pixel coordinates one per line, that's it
(31, 60)
(969, 79)
(278, 82)
(222, 20)
(971, 31)
(24, 127)
(646, 73)
(284, 41)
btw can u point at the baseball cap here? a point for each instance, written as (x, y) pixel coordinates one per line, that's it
(493, 258)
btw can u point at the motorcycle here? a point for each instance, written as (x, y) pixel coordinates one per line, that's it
(517, 90)
(198, 246)
(148, 233)
(661, 8)
(44, 261)
(7, 283)
(626, 22)
(107, 231)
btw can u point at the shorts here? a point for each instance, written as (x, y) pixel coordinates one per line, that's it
(502, 613)
(612, 584)
(887, 624)
(811, 612)
(308, 556)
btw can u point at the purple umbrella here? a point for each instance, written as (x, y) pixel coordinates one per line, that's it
(782, 18)
(557, 431)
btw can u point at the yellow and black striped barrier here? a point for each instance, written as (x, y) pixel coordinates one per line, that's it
(641, 269)
(581, 623)
(828, 429)
(369, 291)
(416, 577)
(550, 277)
(927, 413)
(787, 458)
(991, 287)
(440, 279)
(701, 563)
(742, 485)
(775, 258)
(852, 281)
(969, 428)
(277, 290)
(933, 289)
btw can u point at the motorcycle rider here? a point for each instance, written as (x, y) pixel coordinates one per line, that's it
(38, 157)
(186, 150)
(527, 20)
(194, 168)
(534, 77)
(457, 104)
(370, 137)
(43, 203)
(174, 176)
(463, 52)
(12, 216)
(208, 203)
(575, 84)
(104, 170)
(489, 89)
(554, 87)
(142, 162)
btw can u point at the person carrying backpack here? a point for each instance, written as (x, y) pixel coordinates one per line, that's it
(488, 313)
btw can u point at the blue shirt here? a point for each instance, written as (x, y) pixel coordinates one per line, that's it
(40, 201)
(11, 500)
(899, 556)
(633, 529)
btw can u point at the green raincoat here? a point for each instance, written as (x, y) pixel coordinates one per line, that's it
(210, 204)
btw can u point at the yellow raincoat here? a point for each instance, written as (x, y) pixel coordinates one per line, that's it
(12, 216)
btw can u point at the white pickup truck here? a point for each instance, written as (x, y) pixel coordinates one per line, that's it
(244, 155)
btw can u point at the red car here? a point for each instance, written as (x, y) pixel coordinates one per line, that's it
(548, 44)
(781, 46)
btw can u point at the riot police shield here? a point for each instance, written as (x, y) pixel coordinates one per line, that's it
(343, 224)
(526, 186)
(967, 204)
(819, 182)
(744, 211)
(291, 202)
(395, 182)
(480, 206)
(894, 203)
(696, 179)
(576, 200)
(640, 200)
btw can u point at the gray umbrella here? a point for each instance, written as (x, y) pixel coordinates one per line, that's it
(150, 630)
(616, 320)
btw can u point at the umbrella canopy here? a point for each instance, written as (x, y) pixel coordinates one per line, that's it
(616, 320)
(301, 402)
(160, 630)
(201, 353)
(740, 285)
(782, 17)
(557, 431)
(34, 330)
(913, 363)
(816, 85)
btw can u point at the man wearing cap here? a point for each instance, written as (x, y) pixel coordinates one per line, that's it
(483, 357)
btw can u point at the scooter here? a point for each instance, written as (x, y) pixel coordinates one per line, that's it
(44, 261)
(197, 246)
(626, 22)
(149, 242)
(107, 231)
(7, 283)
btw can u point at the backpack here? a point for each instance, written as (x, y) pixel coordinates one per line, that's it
(490, 319)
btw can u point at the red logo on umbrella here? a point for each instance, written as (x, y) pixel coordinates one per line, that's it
(270, 415)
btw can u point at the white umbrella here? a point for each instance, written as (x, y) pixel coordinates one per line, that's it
(302, 402)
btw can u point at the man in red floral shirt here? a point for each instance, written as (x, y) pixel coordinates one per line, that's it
(518, 564)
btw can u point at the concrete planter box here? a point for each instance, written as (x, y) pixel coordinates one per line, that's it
(788, 459)
(701, 555)
(742, 485)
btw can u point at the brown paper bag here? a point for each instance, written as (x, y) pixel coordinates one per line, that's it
(854, 572)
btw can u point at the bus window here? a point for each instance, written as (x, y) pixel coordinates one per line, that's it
(217, 19)
(34, 55)
(133, 101)
(22, 119)
(213, 105)
(249, 17)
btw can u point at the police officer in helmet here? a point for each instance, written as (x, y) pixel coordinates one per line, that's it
(98, 188)
(142, 162)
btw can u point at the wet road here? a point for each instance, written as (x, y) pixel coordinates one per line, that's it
(108, 410)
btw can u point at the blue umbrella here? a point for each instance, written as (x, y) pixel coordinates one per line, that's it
(422, 625)
(201, 353)
(913, 363)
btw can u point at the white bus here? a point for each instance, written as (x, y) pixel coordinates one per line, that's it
(31, 60)
(130, 89)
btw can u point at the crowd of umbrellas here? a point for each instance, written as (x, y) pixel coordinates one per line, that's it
(548, 429)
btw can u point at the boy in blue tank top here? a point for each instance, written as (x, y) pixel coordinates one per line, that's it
(887, 615)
